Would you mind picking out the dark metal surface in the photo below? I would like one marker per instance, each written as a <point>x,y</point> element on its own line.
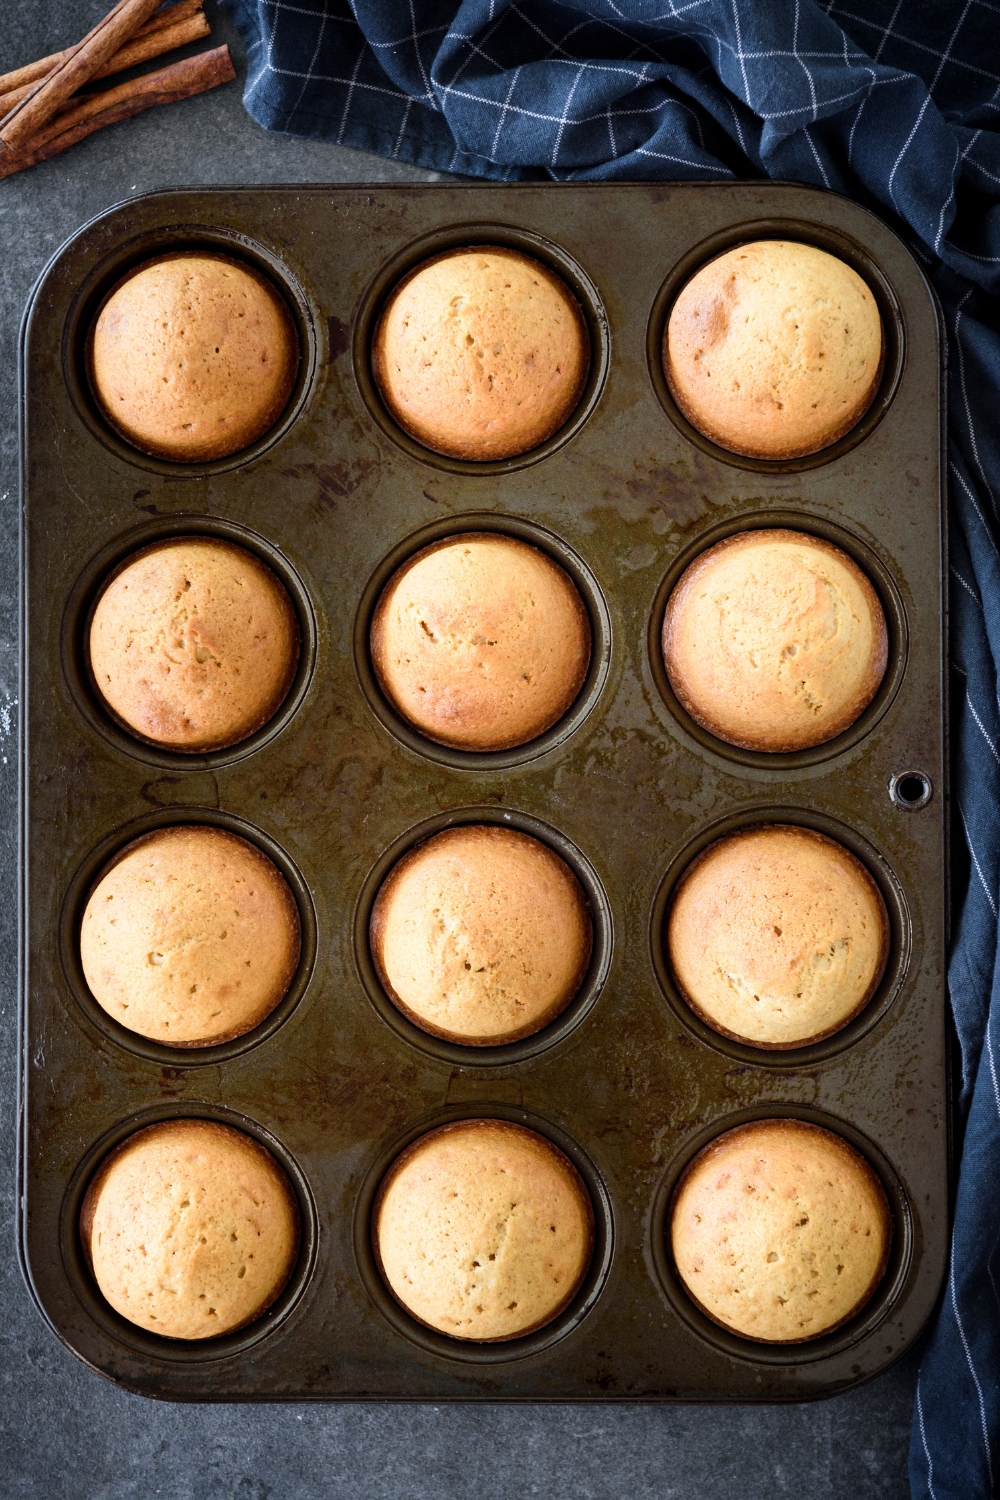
<point>630,1086</point>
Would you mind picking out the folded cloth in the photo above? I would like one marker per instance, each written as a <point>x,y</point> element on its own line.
<point>897,106</point>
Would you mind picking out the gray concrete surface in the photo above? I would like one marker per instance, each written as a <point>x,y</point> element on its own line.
<point>65,1434</point>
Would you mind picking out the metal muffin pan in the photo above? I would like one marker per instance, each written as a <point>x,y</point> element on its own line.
<point>627,1081</point>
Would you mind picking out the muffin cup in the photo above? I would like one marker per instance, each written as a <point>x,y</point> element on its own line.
<point>872,1010</point>
<point>86,1010</point>
<point>76,633</point>
<point>788,763</point>
<point>594,679</point>
<point>396,271</point>
<point>142,250</point>
<point>824,238</point>
<point>227,740</point>
<point>155,1347</point>
<point>469,1351</point>
<point>565,1022</point>
<point>884,1297</point>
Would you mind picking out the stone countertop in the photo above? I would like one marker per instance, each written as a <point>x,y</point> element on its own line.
<point>65,1433</point>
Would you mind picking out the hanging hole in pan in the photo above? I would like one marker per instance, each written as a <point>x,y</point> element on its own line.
<point>824,238</point>
<point>911,789</point>
<point>482,236</point>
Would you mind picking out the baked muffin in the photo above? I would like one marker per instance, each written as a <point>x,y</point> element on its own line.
<point>481,641</point>
<point>193,357</point>
<point>190,936</point>
<point>777,936</point>
<point>194,644</point>
<point>191,1229</point>
<point>780,1231</point>
<point>483,1230</point>
<point>481,935</point>
<point>774,349</point>
<point>775,640</point>
<point>481,353</point>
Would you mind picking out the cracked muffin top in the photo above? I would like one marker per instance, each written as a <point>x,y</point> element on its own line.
<point>481,641</point>
<point>191,936</point>
<point>774,349</point>
<point>481,935</point>
<point>780,1230</point>
<point>483,1230</point>
<point>191,1229</point>
<point>194,644</point>
<point>778,936</point>
<point>481,353</point>
<point>193,357</point>
<point>774,640</point>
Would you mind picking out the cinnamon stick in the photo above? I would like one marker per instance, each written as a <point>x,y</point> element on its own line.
<point>32,72</point>
<point>181,80</point>
<point>22,125</point>
<point>145,44</point>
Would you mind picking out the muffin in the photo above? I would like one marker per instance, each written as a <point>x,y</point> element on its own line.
<point>481,353</point>
<point>774,350</point>
<point>775,640</point>
<point>191,1229</point>
<point>193,357</point>
<point>777,936</point>
<point>190,936</point>
<point>780,1231</point>
<point>483,1230</point>
<point>481,935</point>
<point>194,644</point>
<point>481,641</point>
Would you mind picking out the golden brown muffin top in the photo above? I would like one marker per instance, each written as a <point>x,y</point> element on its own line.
<point>193,357</point>
<point>780,1231</point>
<point>194,644</point>
<point>774,349</point>
<point>483,1230</point>
<point>775,640</point>
<point>481,353</point>
<point>481,641</point>
<point>778,936</point>
<point>191,1229</point>
<point>481,935</point>
<point>190,937</point>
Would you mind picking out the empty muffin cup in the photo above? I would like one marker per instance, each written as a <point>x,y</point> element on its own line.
<point>193,357</point>
<point>774,349</point>
<point>483,1230</point>
<point>190,1228</point>
<point>481,353</point>
<point>774,640</point>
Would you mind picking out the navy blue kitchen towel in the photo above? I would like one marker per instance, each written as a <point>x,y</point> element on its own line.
<point>899,107</point>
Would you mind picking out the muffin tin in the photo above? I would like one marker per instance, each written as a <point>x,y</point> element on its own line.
<point>627,1081</point>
